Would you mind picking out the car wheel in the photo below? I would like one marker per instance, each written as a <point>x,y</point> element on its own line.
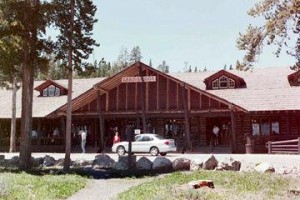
<point>163,154</point>
<point>154,151</point>
<point>121,150</point>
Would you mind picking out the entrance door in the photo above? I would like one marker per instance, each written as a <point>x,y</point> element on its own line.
<point>224,134</point>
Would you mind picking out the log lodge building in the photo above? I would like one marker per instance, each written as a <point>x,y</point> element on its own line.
<point>249,107</point>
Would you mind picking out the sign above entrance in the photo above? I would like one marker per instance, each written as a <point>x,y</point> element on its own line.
<point>137,79</point>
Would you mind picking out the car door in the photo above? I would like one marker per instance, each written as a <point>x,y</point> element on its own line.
<point>135,145</point>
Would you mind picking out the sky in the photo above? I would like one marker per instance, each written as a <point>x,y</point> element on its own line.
<point>200,32</point>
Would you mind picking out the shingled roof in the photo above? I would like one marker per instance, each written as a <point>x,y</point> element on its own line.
<point>268,89</point>
<point>42,106</point>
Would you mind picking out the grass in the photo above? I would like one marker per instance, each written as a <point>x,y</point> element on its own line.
<point>228,185</point>
<point>34,187</point>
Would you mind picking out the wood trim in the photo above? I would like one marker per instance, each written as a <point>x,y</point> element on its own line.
<point>126,96</point>
<point>147,91</point>
<point>136,96</point>
<point>177,95</point>
<point>117,99</point>
<point>200,101</point>
<point>168,92</point>
<point>107,102</point>
<point>157,93</point>
<point>189,98</point>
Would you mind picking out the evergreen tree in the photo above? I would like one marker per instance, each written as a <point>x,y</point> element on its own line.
<point>150,63</point>
<point>196,69</point>
<point>230,67</point>
<point>190,69</point>
<point>135,55</point>
<point>123,58</point>
<point>204,70</point>
<point>75,20</point>
<point>29,21</point>
<point>282,22</point>
<point>225,67</point>
<point>163,67</point>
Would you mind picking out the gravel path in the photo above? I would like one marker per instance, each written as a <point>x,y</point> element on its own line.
<point>104,189</point>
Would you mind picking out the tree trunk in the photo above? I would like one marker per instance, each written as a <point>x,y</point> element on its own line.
<point>70,88</point>
<point>29,60</point>
<point>142,90</point>
<point>12,146</point>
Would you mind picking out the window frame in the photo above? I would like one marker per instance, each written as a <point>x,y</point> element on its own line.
<point>259,121</point>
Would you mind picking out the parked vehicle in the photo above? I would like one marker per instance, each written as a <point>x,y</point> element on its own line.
<point>147,142</point>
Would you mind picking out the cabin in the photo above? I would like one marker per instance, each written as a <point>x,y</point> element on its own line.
<point>250,108</point>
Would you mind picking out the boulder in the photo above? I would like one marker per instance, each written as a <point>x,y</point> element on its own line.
<point>103,161</point>
<point>210,163</point>
<point>162,164</point>
<point>229,164</point>
<point>82,163</point>
<point>36,162</point>
<point>60,162</point>
<point>14,161</point>
<point>49,161</point>
<point>264,167</point>
<point>196,165</point>
<point>144,164</point>
<point>181,164</point>
<point>2,157</point>
<point>123,164</point>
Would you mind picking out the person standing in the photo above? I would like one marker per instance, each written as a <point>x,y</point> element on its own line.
<point>83,140</point>
<point>215,131</point>
<point>116,138</point>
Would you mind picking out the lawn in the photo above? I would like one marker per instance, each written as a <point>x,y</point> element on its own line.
<point>27,186</point>
<point>228,185</point>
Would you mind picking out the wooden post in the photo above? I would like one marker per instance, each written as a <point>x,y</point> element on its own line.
<point>233,129</point>
<point>298,145</point>
<point>186,118</point>
<point>101,122</point>
<point>142,100</point>
<point>269,147</point>
<point>157,93</point>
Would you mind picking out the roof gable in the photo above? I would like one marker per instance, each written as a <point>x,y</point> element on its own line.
<point>47,83</point>
<point>237,82</point>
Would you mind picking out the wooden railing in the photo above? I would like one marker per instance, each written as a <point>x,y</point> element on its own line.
<point>285,146</point>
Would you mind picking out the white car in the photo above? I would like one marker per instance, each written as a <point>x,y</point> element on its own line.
<point>146,142</point>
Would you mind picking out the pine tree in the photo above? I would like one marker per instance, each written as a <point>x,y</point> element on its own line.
<point>75,20</point>
<point>135,55</point>
<point>281,23</point>
<point>163,67</point>
<point>150,63</point>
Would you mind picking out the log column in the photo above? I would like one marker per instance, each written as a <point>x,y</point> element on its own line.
<point>101,122</point>
<point>233,128</point>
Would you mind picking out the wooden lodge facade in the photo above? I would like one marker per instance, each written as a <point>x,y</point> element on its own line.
<point>250,108</point>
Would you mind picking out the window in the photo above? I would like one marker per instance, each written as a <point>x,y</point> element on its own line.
<point>231,83</point>
<point>265,126</point>
<point>223,82</point>
<point>215,84</point>
<point>51,91</point>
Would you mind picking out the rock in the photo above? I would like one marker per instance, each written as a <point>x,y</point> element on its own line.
<point>103,161</point>
<point>201,183</point>
<point>162,164</point>
<point>196,165</point>
<point>49,161</point>
<point>264,167</point>
<point>2,157</point>
<point>229,164</point>
<point>210,163</point>
<point>14,161</point>
<point>284,171</point>
<point>61,162</point>
<point>144,164</point>
<point>37,161</point>
<point>123,164</point>
<point>181,164</point>
<point>81,163</point>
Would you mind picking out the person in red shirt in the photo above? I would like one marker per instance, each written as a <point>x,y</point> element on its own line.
<point>116,138</point>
